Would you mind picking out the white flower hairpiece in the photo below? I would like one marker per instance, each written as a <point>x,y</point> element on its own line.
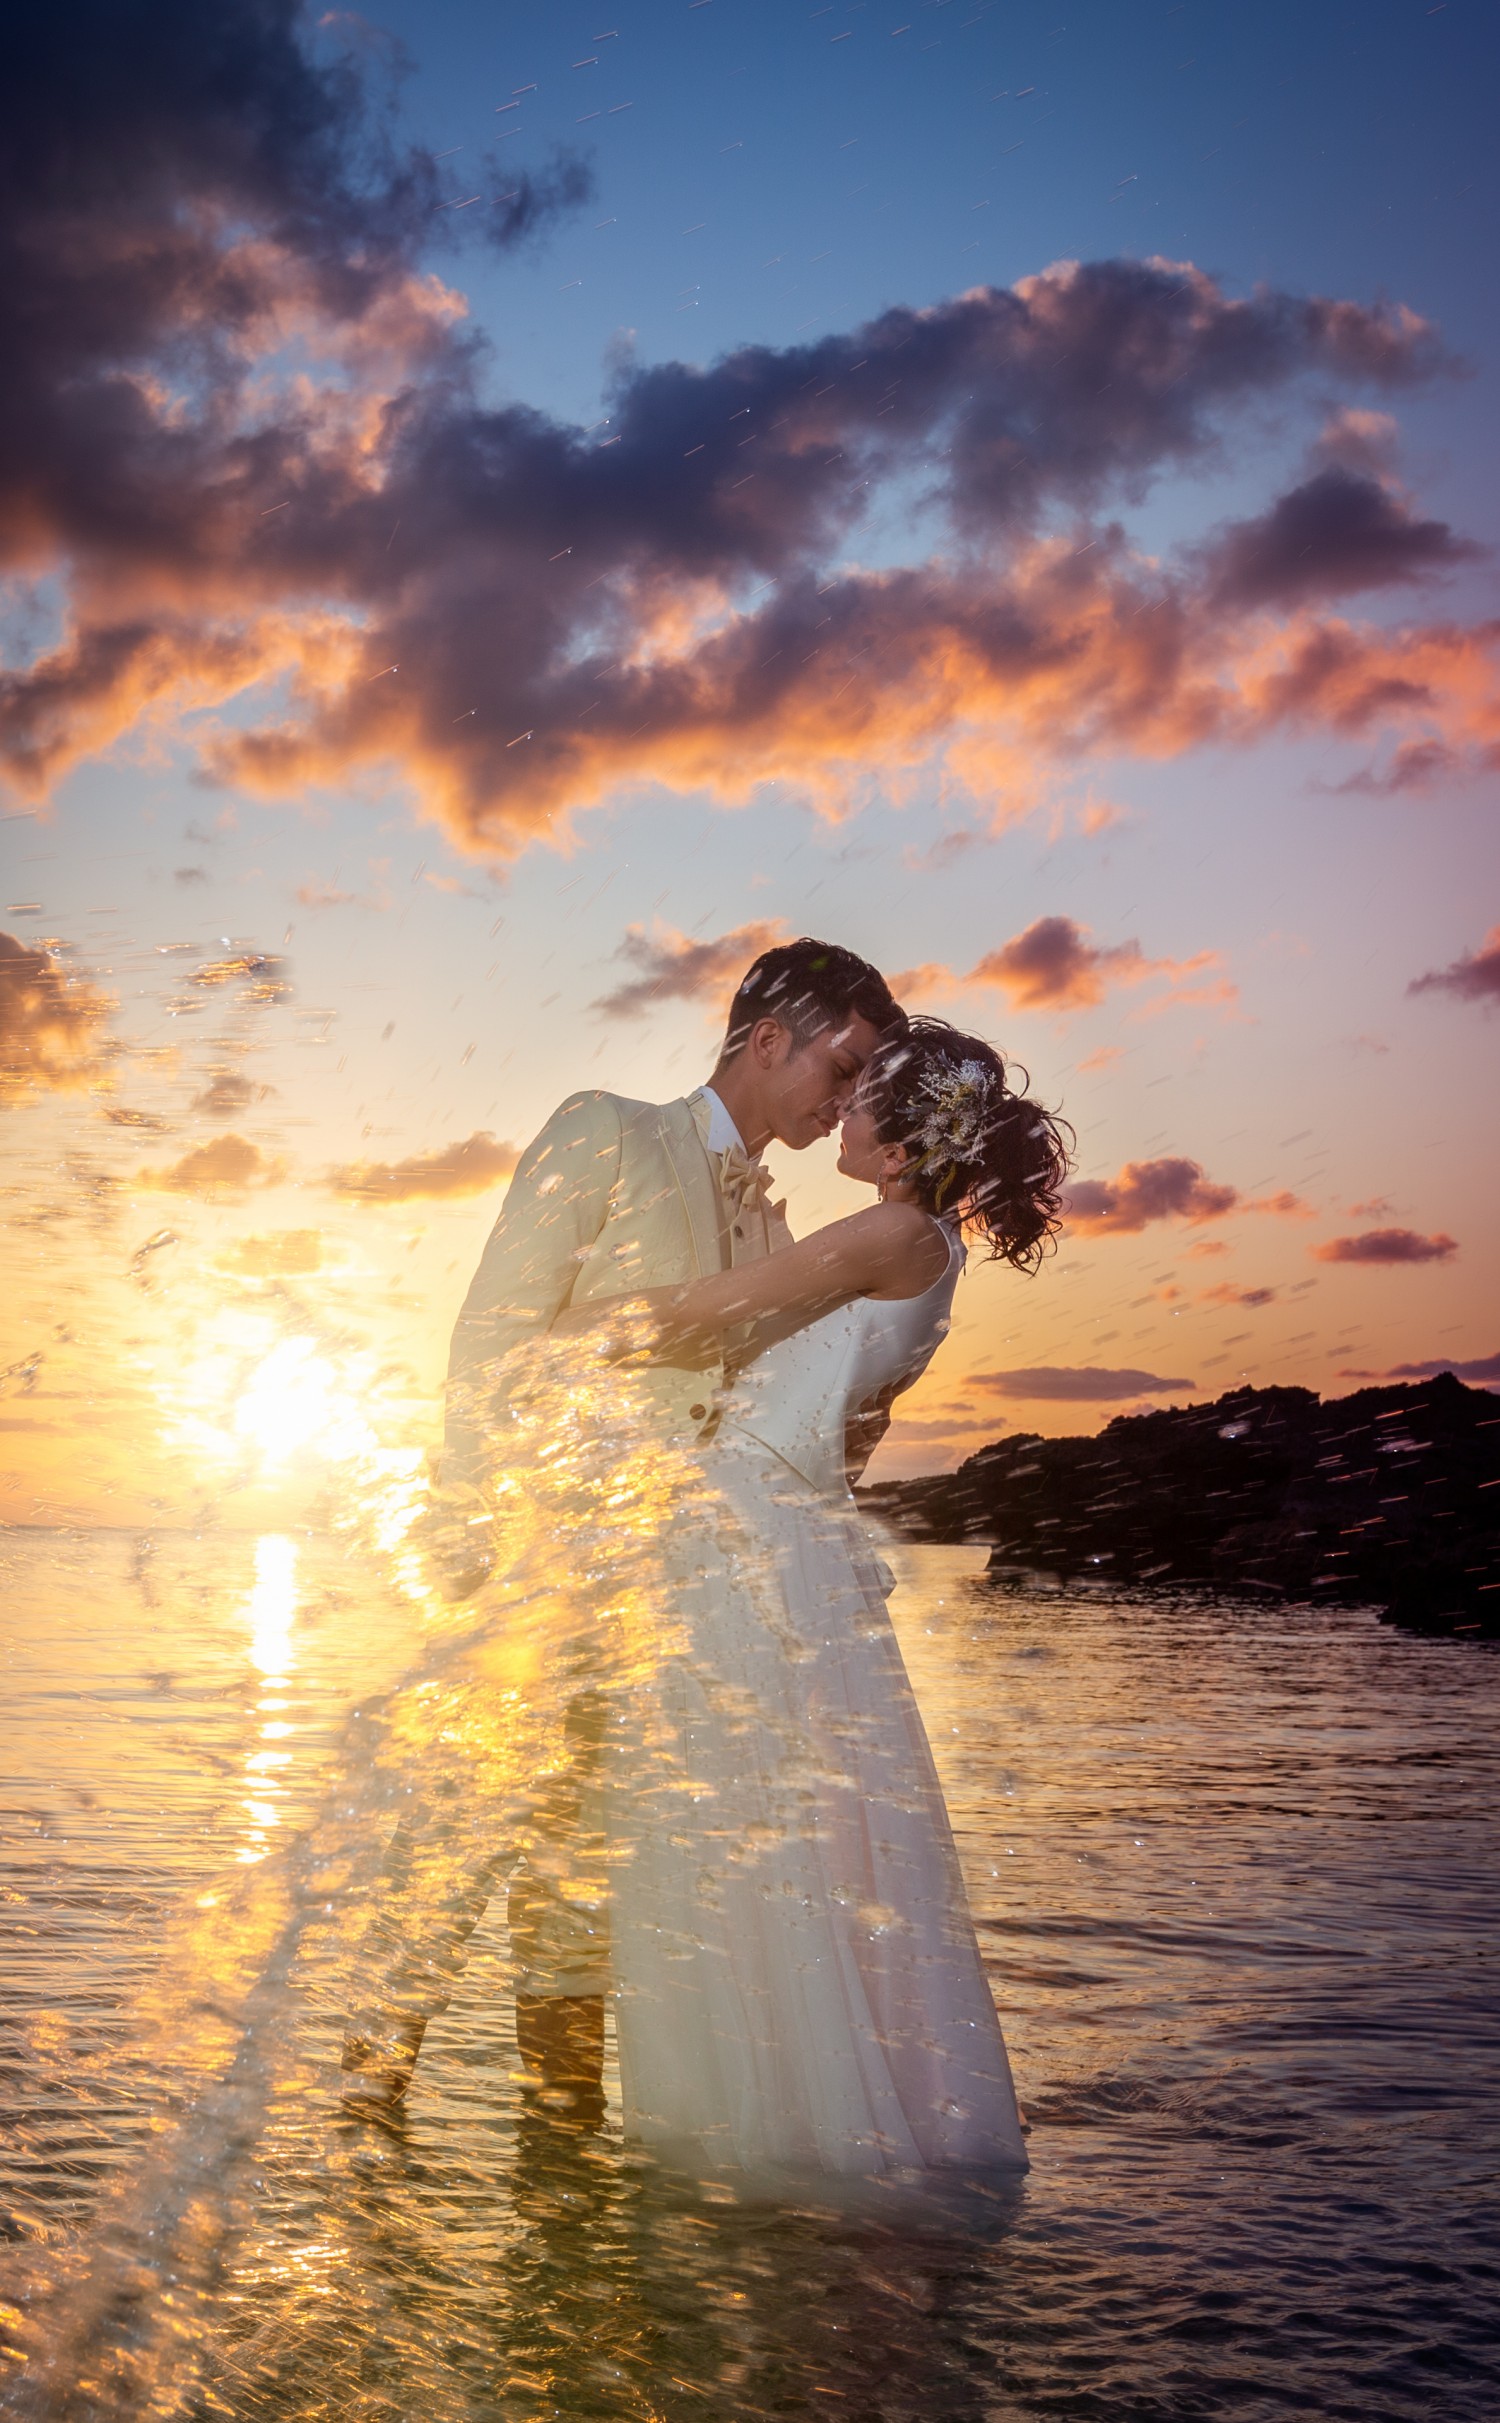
<point>959,1101</point>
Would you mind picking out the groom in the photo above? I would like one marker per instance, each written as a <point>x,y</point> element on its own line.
<point>611,1197</point>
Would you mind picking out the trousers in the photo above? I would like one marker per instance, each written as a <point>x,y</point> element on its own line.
<point>448,1858</point>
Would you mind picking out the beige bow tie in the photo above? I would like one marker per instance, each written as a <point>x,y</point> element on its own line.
<point>741,1180</point>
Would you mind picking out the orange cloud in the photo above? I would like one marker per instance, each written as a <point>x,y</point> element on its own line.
<point>673,967</point>
<point>1171,1188</point>
<point>51,1024</point>
<point>227,1165</point>
<point>1146,1191</point>
<point>921,983</point>
<point>1044,663</point>
<point>473,1167</point>
<point>1054,966</point>
<point>260,975</point>
<point>1252,1298</point>
<point>1283,1206</point>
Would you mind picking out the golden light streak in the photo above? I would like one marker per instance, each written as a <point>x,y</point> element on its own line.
<point>270,1612</point>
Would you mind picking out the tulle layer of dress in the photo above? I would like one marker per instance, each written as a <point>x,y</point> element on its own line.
<point>799,1989</point>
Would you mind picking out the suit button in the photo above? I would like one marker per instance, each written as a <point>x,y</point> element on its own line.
<point>697,1413</point>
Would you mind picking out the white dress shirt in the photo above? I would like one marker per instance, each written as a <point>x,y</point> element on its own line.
<point>722,1132</point>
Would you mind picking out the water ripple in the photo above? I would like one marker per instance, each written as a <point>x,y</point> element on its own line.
<point>1233,1869</point>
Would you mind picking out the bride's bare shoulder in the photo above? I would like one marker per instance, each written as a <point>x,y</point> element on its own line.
<point>903,1245</point>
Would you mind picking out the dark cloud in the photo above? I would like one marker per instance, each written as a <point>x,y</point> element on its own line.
<point>1339,532</point>
<point>1146,1191</point>
<point>52,1025</point>
<point>186,195</point>
<point>171,180</point>
<point>1251,1299</point>
<point>672,967</point>
<point>245,425</point>
<point>1479,1368</point>
<point>1474,977</point>
<point>228,1165</point>
<point>226,1094</point>
<point>473,1167</point>
<point>1049,1383</point>
<point>1386,1245</point>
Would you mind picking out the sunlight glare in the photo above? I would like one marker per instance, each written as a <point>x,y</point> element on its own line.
<point>271,1606</point>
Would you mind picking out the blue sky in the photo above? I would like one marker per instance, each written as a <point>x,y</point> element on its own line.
<point>782,169</point>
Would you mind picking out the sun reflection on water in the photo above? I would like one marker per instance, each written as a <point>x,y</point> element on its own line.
<point>270,1612</point>
<point>271,1606</point>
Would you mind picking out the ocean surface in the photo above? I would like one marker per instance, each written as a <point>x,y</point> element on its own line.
<point>1234,1868</point>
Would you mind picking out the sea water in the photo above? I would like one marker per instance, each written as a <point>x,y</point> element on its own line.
<point>1233,1871</point>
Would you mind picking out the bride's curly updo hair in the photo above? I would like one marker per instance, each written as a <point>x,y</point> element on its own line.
<point>982,1151</point>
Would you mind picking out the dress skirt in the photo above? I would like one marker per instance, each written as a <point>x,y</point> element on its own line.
<point>799,1989</point>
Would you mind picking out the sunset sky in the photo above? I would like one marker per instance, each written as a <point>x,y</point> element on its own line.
<point>508,510</point>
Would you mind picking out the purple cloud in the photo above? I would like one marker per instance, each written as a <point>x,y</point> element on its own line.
<point>1478,1368</point>
<point>1171,1188</point>
<point>1055,1384</point>
<point>1340,531</point>
<point>1474,977</point>
<point>1386,1245</point>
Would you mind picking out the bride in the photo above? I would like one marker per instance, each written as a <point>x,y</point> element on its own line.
<point>798,1985</point>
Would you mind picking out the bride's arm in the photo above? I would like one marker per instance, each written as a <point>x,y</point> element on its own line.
<point>890,1247</point>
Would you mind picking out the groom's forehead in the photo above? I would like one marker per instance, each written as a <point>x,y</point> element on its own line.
<point>810,1021</point>
<point>852,1033</point>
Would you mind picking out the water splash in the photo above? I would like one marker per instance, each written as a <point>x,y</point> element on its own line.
<point>239,2031</point>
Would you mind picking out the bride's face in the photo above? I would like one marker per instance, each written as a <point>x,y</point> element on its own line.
<point>861,1153</point>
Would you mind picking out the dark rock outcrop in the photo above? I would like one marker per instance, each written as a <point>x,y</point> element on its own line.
<point>1389,1497</point>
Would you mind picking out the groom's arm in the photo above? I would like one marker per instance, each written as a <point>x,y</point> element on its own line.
<point>556,1205</point>
<point>890,1249</point>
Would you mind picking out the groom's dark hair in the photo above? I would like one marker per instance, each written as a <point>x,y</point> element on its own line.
<point>807,986</point>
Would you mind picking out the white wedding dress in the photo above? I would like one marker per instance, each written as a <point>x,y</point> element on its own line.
<point>799,1991</point>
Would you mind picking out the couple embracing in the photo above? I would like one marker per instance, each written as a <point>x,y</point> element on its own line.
<point>785,1935</point>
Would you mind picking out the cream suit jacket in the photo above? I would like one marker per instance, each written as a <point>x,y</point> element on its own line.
<point>612,1195</point>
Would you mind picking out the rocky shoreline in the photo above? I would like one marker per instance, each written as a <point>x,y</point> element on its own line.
<point>1387,1498</point>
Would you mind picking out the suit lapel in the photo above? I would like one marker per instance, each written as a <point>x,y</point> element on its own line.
<point>696,1184</point>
